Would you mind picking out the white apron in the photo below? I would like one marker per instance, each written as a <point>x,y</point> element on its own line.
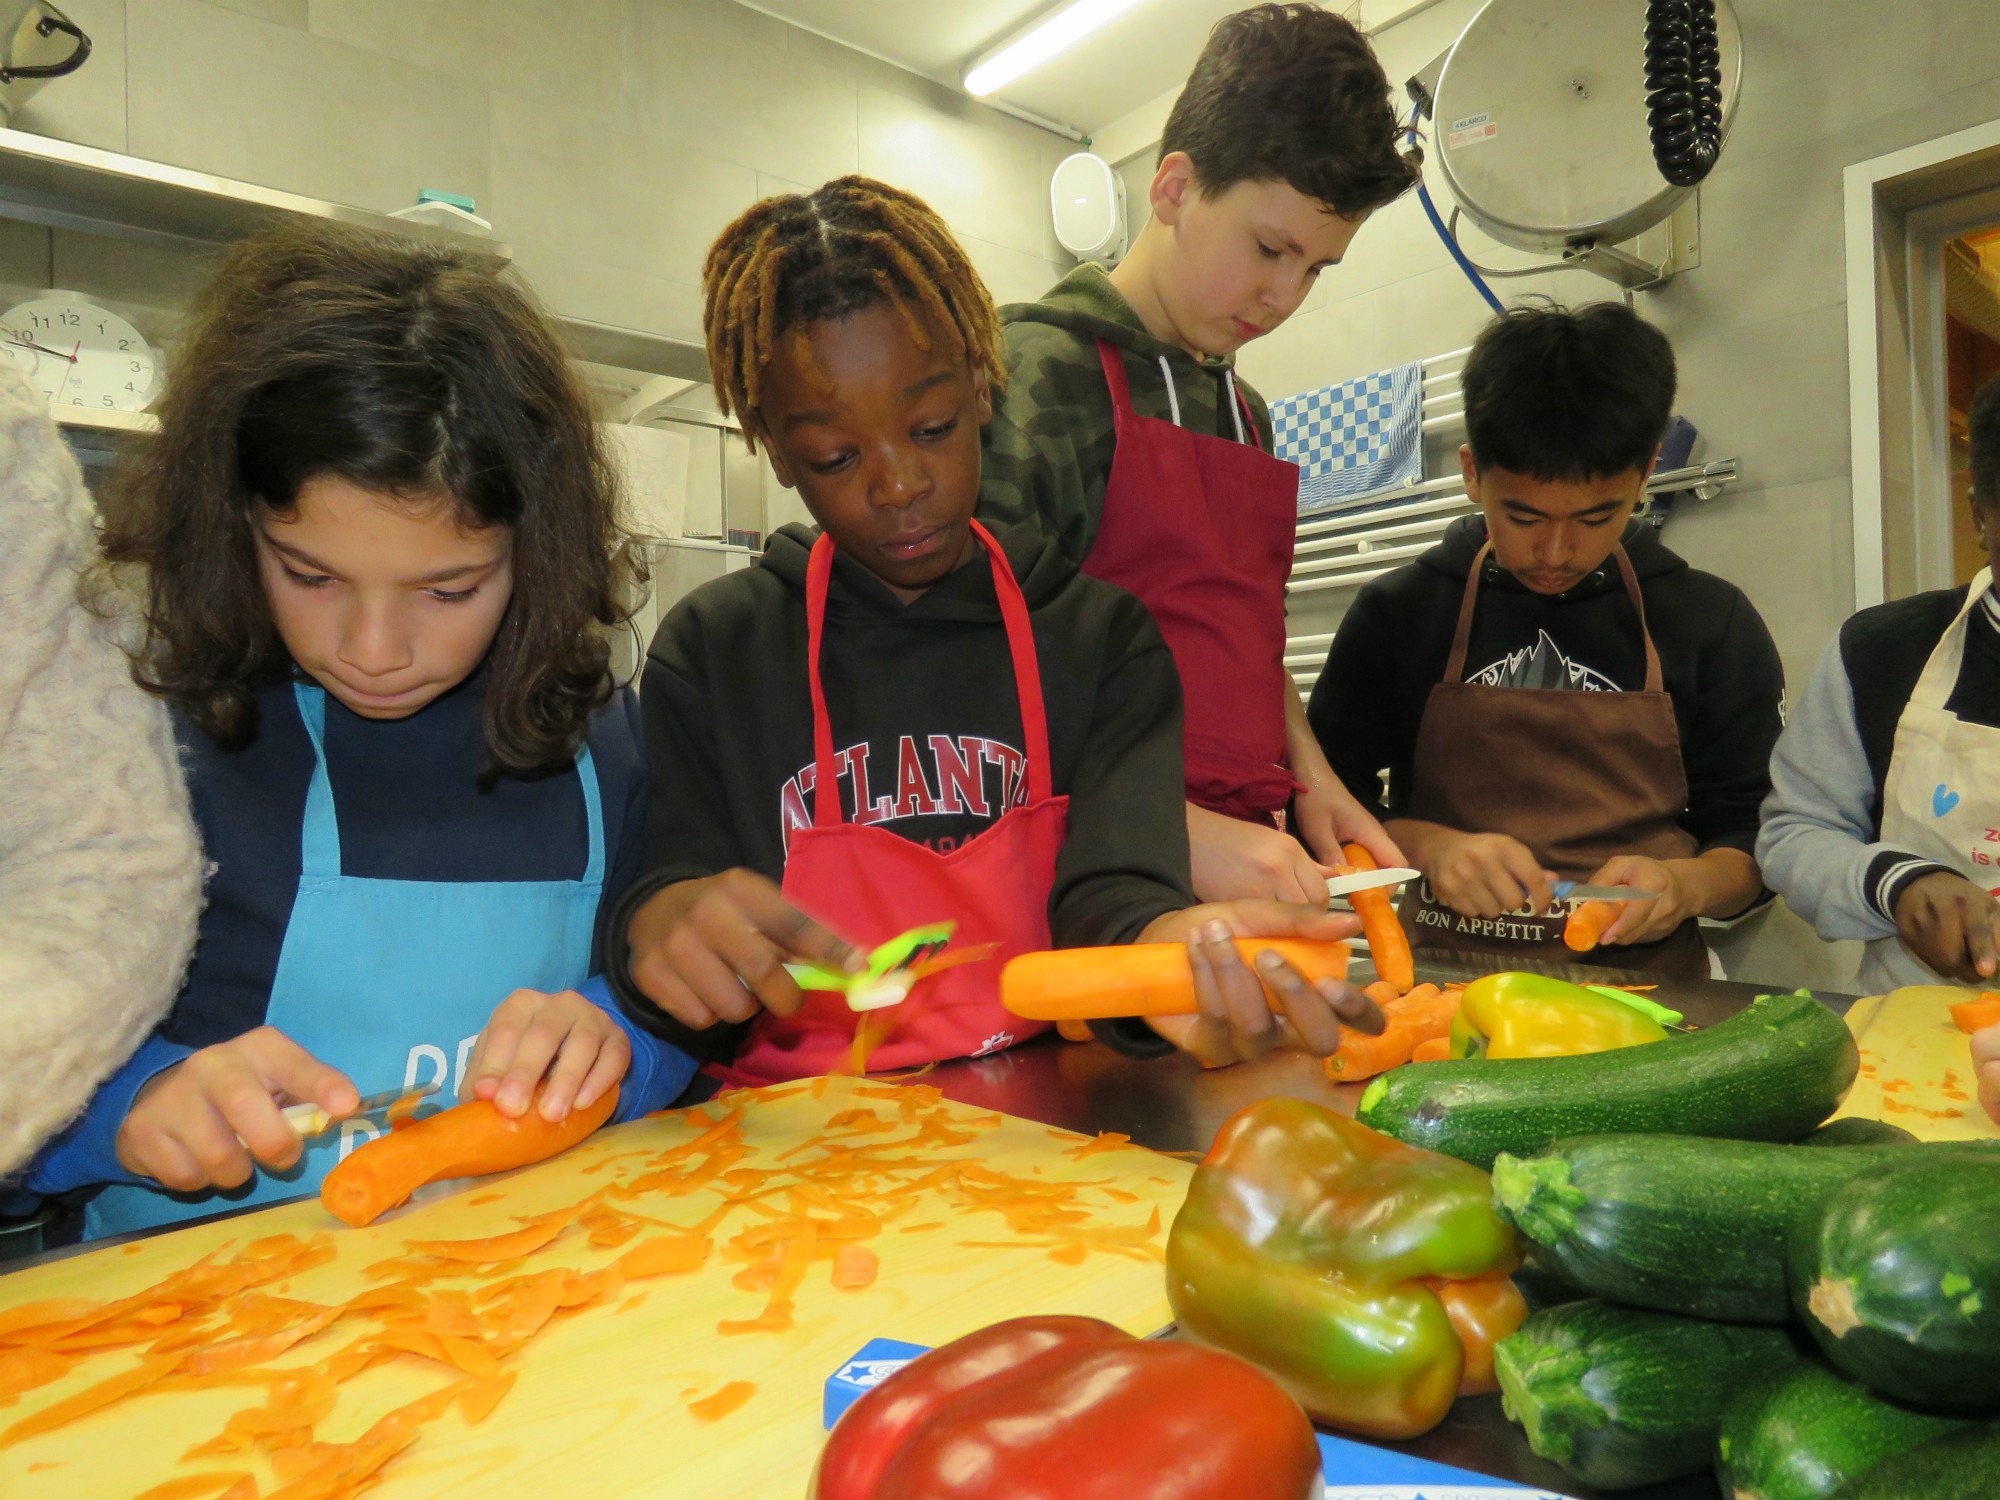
<point>1942,796</point>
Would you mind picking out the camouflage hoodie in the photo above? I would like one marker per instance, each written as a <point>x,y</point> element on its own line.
<point>1051,441</point>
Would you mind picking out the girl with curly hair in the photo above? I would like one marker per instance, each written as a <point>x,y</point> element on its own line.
<point>377,543</point>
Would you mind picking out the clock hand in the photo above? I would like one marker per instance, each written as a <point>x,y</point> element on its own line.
<point>29,343</point>
<point>71,357</point>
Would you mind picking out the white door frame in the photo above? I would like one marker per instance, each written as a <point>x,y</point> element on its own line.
<point>1890,348</point>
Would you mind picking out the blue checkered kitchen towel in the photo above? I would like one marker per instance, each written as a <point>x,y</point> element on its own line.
<point>1354,439</point>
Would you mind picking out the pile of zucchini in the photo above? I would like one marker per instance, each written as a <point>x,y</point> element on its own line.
<point>1813,1312</point>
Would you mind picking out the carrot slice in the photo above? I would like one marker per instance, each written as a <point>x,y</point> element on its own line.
<point>1388,944</point>
<point>476,1403</point>
<point>191,1485</point>
<point>511,1246</point>
<point>664,1255</point>
<point>855,1266</point>
<point>723,1402</point>
<point>1977,1015</point>
<point>95,1398</point>
<point>25,1369</point>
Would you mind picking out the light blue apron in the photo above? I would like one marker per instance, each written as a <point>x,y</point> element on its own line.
<point>391,981</point>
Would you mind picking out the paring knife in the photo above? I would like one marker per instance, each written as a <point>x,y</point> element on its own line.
<point>1369,880</point>
<point>1573,890</point>
<point>310,1120</point>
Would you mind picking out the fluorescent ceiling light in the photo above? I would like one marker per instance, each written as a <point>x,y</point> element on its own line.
<point>1035,44</point>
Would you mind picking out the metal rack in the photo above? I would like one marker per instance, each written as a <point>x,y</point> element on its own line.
<point>1338,553</point>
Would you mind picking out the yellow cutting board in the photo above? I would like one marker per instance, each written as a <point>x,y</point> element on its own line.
<point>1916,1066</point>
<point>601,1404</point>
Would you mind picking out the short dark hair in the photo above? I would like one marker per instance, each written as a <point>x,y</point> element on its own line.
<point>1568,396</point>
<point>401,367</point>
<point>1983,430</point>
<point>1292,94</point>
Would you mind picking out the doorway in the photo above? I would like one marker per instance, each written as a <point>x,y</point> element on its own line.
<point>1971,273</point>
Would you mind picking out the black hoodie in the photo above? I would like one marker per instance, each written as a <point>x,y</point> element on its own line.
<point>1719,663</point>
<point>729,731</point>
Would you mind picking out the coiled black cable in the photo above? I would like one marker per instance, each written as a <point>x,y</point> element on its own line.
<point>1683,88</point>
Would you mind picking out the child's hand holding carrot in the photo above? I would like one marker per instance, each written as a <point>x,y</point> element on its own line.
<point>580,1049</point>
<point>1235,1021</point>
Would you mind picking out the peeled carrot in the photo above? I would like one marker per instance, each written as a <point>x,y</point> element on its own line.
<point>1977,1015</point>
<point>1434,1049</point>
<point>1588,923</point>
<point>1137,979</point>
<point>470,1140</point>
<point>1415,1018</point>
<point>1388,944</point>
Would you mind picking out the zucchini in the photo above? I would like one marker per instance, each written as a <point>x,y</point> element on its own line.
<point>1620,1397</point>
<point>1675,1222</point>
<point>1801,1433</point>
<point>1961,1465</point>
<point>1858,1132</point>
<point>1771,1072</point>
<point>1898,1277</point>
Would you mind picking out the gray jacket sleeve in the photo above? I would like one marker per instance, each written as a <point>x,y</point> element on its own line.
<point>1818,844</point>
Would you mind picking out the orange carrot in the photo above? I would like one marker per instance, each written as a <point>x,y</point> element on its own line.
<point>1413,1019</point>
<point>1075,1031</point>
<point>854,1266</point>
<point>1137,979</point>
<point>1433,1049</point>
<point>511,1246</point>
<point>1588,923</point>
<point>192,1485</point>
<point>723,1402</point>
<point>469,1141</point>
<point>1977,1015</point>
<point>1388,944</point>
<point>95,1398</point>
<point>664,1255</point>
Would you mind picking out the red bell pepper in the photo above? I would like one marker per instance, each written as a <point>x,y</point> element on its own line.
<point>1070,1409</point>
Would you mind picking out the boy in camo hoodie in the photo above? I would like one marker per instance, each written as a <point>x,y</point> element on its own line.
<point>1124,435</point>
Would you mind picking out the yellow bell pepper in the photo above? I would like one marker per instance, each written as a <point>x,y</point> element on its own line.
<point>1532,1015</point>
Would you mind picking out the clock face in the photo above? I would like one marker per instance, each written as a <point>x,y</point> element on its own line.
<point>78,354</point>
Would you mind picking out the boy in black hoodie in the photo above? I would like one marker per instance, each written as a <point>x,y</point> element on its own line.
<point>997,740</point>
<point>1551,692</point>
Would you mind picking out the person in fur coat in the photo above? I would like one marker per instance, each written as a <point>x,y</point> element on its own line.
<point>100,870</point>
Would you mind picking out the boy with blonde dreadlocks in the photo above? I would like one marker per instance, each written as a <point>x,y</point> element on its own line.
<point>901,717</point>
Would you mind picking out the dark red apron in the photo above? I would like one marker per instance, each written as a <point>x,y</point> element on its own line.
<point>1576,776</point>
<point>868,885</point>
<point>1201,529</point>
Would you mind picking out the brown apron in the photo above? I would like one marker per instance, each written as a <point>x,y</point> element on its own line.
<point>1577,776</point>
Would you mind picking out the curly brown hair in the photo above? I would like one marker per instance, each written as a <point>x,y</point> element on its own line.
<point>804,257</point>
<point>403,367</point>
<point>1292,94</point>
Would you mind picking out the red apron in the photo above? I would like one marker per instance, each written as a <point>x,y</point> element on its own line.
<point>869,885</point>
<point>1201,529</point>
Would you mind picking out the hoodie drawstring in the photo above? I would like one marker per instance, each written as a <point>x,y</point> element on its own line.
<point>1235,406</point>
<point>1173,399</point>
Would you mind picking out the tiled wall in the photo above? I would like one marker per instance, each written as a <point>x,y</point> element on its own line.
<point>607,140</point>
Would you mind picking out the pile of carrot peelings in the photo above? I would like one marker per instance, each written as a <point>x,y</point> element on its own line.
<point>471,1309</point>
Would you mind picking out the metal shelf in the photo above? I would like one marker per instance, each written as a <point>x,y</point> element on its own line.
<point>62,185</point>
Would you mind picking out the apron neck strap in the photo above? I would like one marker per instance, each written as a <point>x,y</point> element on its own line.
<point>1020,644</point>
<point>1113,361</point>
<point>1461,638</point>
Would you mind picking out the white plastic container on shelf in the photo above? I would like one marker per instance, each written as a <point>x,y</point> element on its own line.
<point>445,211</point>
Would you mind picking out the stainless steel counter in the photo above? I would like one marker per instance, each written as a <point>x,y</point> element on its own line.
<point>1173,1104</point>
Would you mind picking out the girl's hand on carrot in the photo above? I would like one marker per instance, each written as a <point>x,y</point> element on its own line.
<point>1485,874</point>
<point>210,1119</point>
<point>1234,1021</point>
<point>579,1048</point>
<point>1237,861</point>
<point>715,950</point>
<point>1648,921</point>
<point>1986,1064</point>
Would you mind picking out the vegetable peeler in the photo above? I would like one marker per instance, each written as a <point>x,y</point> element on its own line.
<point>893,969</point>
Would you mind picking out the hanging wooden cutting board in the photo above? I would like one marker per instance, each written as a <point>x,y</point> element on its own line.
<point>1916,1066</point>
<point>601,1404</point>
